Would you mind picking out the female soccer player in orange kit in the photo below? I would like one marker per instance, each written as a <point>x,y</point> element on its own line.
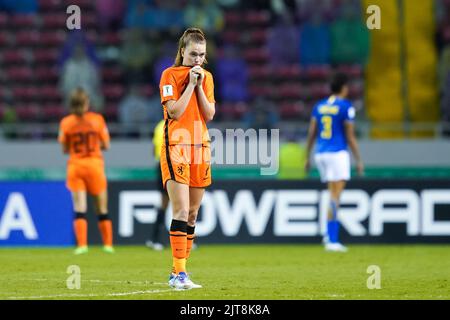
<point>187,96</point>
<point>83,135</point>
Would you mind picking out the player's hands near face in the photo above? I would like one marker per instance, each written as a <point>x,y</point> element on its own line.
<point>201,74</point>
<point>194,75</point>
<point>360,168</point>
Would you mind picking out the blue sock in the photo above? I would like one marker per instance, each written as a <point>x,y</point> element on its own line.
<point>333,225</point>
<point>333,231</point>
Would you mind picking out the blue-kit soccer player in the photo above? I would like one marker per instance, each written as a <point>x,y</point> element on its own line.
<point>332,125</point>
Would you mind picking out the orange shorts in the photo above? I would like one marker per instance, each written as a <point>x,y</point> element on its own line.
<point>86,175</point>
<point>186,164</point>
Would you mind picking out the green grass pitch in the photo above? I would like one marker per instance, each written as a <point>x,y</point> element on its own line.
<point>230,272</point>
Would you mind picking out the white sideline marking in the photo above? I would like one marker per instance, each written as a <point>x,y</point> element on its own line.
<point>90,295</point>
<point>96,295</point>
<point>102,281</point>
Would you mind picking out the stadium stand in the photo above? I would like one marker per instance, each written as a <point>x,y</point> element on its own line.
<point>34,40</point>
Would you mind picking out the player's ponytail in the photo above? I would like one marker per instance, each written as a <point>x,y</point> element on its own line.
<point>190,35</point>
<point>78,100</point>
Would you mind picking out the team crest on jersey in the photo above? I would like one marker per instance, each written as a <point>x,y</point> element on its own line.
<point>180,170</point>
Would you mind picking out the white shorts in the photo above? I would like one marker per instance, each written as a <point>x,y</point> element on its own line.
<point>333,166</point>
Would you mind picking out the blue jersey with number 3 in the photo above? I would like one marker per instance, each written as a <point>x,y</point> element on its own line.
<point>331,115</point>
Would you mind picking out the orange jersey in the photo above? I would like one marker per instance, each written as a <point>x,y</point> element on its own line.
<point>83,136</point>
<point>192,125</point>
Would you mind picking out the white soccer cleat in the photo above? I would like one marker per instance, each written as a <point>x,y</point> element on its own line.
<point>335,247</point>
<point>172,278</point>
<point>182,282</point>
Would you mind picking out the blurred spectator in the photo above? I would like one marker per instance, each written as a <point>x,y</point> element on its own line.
<point>349,38</point>
<point>110,13</point>
<point>165,60</point>
<point>138,15</point>
<point>445,104</point>
<point>79,71</point>
<point>170,16</point>
<point>232,75</point>
<point>159,15</point>
<point>204,14</point>
<point>137,55</point>
<point>77,38</point>
<point>9,116</point>
<point>443,24</point>
<point>315,41</point>
<point>306,8</point>
<point>444,67</point>
<point>283,41</point>
<point>22,6</point>
<point>135,109</point>
<point>261,115</point>
<point>282,7</point>
<point>228,3</point>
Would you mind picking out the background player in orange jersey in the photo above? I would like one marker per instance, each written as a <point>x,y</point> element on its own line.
<point>187,96</point>
<point>83,135</point>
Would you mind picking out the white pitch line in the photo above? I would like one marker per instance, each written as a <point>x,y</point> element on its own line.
<point>117,294</point>
<point>100,281</point>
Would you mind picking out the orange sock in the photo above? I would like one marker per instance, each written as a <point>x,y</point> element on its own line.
<point>178,243</point>
<point>80,228</point>
<point>105,227</point>
<point>190,240</point>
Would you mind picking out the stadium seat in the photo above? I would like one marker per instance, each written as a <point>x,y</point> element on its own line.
<point>231,36</point>
<point>28,112</point>
<point>353,71</point>
<point>356,90</point>
<point>14,57</point>
<point>5,39</point>
<point>232,18</point>
<point>319,91</point>
<point>54,20</point>
<point>25,93</point>
<point>113,92</point>
<point>233,111</point>
<point>111,74</point>
<point>289,111</point>
<point>27,38</point>
<point>258,36</point>
<point>446,34</point>
<point>45,56</point>
<point>111,112</point>
<point>83,4</point>
<point>88,20</point>
<point>288,72</point>
<point>3,20</point>
<point>52,38</point>
<point>260,90</point>
<point>22,21</point>
<point>256,54</point>
<point>257,17</point>
<point>49,5</point>
<point>46,74</point>
<point>111,38</point>
<point>20,74</point>
<point>53,112</point>
<point>260,72</point>
<point>318,72</point>
<point>147,90</point>
<point>50,93</point>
